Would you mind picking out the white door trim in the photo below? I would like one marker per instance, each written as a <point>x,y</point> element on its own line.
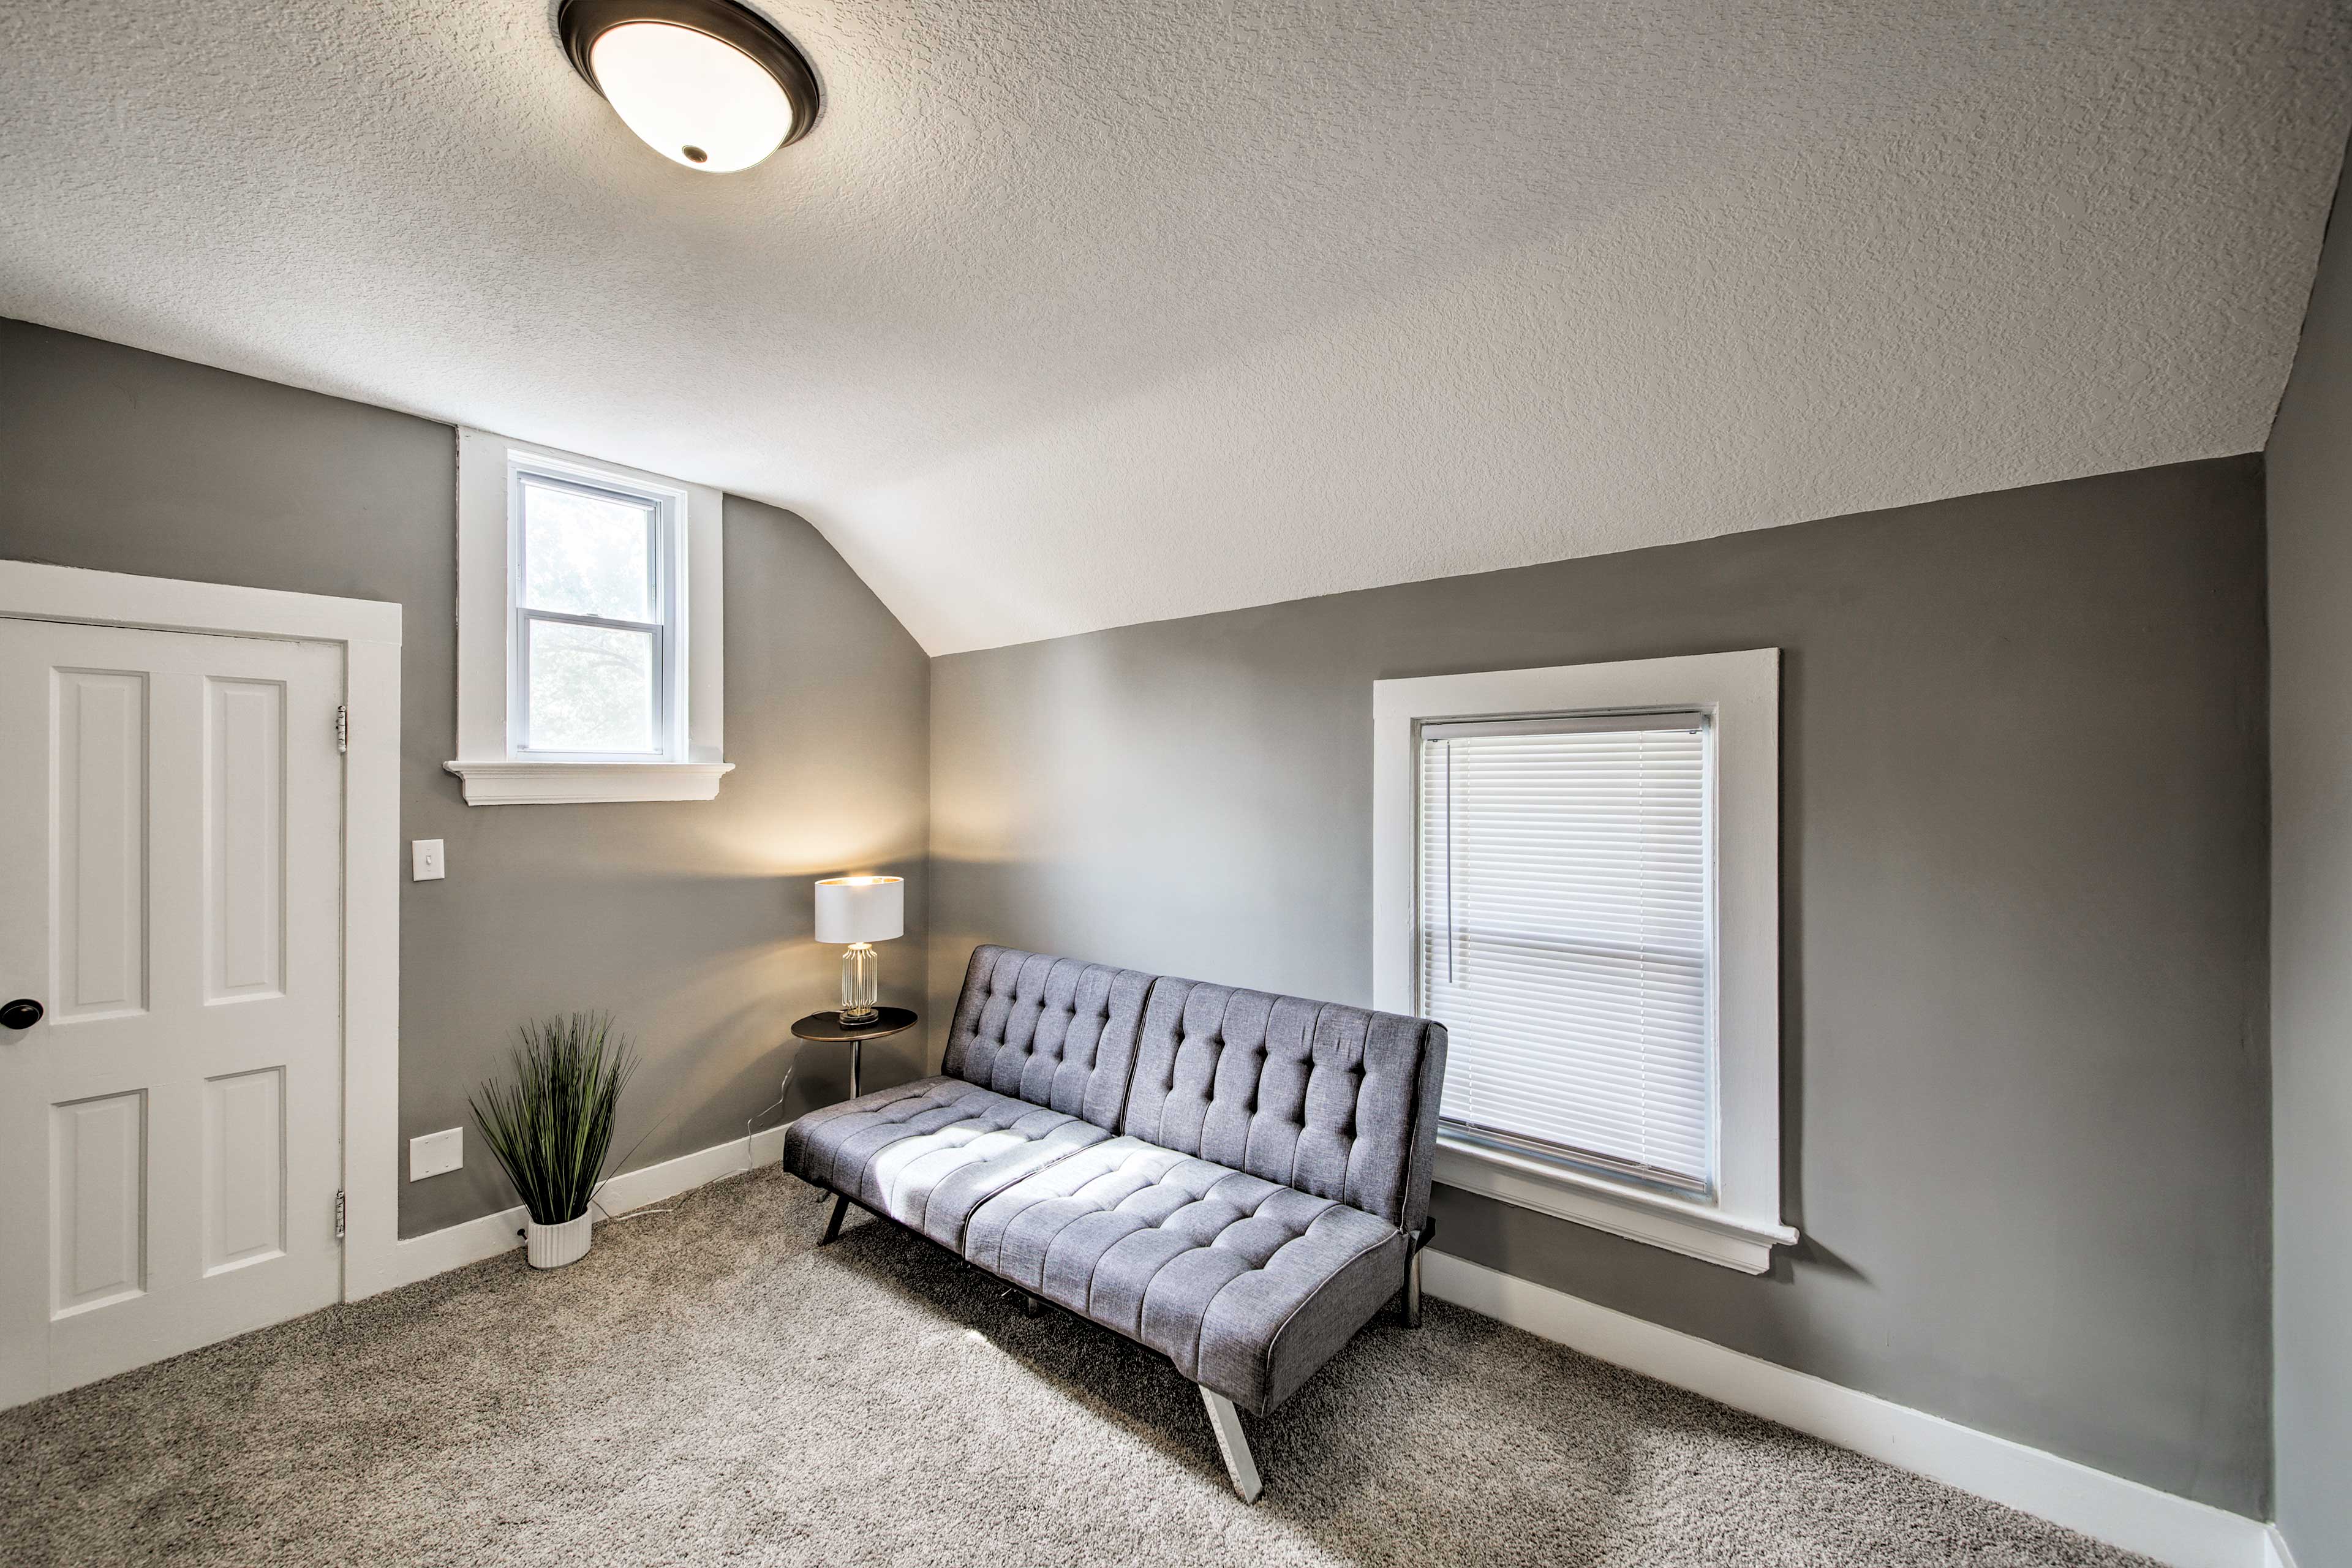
<point>369,631</point>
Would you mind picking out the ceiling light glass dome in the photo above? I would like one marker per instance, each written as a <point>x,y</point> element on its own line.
<point>706,83</point>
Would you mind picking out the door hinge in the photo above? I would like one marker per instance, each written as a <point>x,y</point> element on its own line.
<point>339,1213</point>
<point>342,728</point>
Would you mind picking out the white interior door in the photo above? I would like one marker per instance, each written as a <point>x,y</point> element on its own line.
<point>171,1129</point>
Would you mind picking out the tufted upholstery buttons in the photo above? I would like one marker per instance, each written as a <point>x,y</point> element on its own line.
<point>1228,1176</point>
<point>1311,1095</point>
<point>1232,1277</point>
<point>929,1154</point>
<point>1051,1031</point>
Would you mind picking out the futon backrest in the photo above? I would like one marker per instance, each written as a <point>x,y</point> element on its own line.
<point>1333,1100</point>
<point>1052,1031</point>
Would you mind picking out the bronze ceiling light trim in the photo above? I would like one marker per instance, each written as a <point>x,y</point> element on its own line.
<point>709,84</point>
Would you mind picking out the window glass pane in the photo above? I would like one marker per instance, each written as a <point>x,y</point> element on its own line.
<point>592,688</point>
<point>587,555</point>
<point>1565,906</point>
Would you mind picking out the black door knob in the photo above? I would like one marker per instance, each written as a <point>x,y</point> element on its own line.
<point>21,1013</point>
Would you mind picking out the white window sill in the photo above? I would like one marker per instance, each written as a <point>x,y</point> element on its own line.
<point>1693,1229</point>
<point>504,782</point>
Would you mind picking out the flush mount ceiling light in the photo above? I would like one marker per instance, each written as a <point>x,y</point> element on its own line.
<point>704,83</point>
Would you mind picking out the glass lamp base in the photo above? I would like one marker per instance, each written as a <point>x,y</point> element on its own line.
<point>861,981</point>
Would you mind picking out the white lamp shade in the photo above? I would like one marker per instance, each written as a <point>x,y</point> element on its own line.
<point>861,908</point>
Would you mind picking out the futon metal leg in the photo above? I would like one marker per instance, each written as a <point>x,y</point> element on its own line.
<point>1421,1240</point>
<point>1232,1443</point>
<point>833,1225</point>
<point>1030,1306</point>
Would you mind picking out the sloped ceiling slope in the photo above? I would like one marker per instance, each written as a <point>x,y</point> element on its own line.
<point>1073,314</point>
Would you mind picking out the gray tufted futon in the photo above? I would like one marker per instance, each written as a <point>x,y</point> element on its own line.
<point>1238,1181</point>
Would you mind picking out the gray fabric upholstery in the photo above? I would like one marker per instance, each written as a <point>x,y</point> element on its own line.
<point>1052,1031</point>
<point>1333,1100</point>
<point>1254,1213</point>
<point>927,1154</point>
<point>1247,1285</point>
<point>1421,1157</point>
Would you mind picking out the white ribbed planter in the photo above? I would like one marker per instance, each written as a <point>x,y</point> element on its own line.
<point>554,1245</point>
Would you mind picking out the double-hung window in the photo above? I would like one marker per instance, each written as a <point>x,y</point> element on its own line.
<point>596,664</point>
<point>1567,939</point>
<point>1577,870</point>
<point>590,629</point>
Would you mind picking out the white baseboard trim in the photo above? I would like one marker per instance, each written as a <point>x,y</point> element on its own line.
<point>2106,1507</point>
<point>438,1251</point>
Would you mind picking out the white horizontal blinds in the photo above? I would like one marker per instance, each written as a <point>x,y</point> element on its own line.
<point>1564,937</point>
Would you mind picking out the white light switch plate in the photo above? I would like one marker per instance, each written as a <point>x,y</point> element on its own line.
<point>427,857</point>
<point>436,1152</point>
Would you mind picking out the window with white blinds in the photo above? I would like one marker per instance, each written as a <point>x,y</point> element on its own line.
<point>1565,938</point>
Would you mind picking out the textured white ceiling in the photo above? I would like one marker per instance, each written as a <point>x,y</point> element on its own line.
<point>1074,313</point>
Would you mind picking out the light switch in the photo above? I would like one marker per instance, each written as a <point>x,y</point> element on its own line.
<point>436,1152</point>
<point>427,856</point>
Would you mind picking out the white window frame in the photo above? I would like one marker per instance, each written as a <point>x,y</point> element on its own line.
<point>1741,693</point>
<point>493,636</point>
<point>665,567</point>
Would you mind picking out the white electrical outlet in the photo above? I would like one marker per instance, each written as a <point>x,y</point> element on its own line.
<point>427,858</point>
<point>436,1152</point>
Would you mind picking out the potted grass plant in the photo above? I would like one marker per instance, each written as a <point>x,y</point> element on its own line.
<point>551,1128</point>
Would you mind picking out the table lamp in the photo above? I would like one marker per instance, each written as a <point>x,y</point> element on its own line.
<point>860,911</point>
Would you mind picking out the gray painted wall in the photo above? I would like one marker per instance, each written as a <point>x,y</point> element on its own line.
<point>2024,918</point>
<point>691,921</point>
<point>2310,473</point>
<point>2024,901</point>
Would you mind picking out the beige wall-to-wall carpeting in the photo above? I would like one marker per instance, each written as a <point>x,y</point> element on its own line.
<point>710,1388</point>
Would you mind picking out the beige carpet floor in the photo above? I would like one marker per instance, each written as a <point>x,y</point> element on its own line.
<point>707,1387</point>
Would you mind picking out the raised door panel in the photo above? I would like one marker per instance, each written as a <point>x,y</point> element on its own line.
<point>98,1200</point>
<point>244,840</point>
<point>99,844</point>
<point>245,1169</point>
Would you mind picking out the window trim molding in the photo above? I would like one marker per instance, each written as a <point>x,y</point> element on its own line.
<point>491,771</point>
<point>1742,691</point>
<point>526,780</point>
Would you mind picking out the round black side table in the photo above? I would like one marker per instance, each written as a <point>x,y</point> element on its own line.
<point>828,1028</point>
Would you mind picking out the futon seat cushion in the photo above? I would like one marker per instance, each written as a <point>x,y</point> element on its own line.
<point>1245,1285</point>
<point>930,1152</point>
